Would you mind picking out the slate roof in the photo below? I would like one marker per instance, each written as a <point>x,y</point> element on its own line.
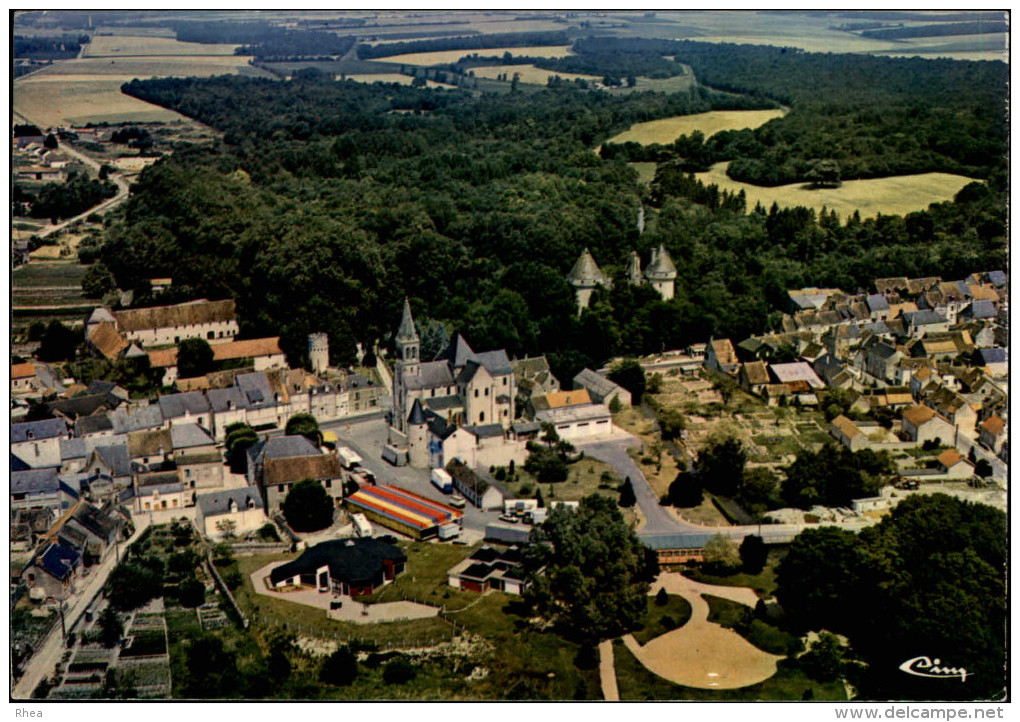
<point>35,481</point>
<point>186,436</point>
<point>116,457</point>
<point>485,431</point>
<point>38,430</point>
<point>431,374</point>
<point>993,355</point>
<point>979,309</point>
<point>876,303</point>
<point>164,489</point>
<point>586,272</point>
<point>84,405</point>
<point>174,406</point>
<point>923,318</point>
<point>281,447</point>
<point>442,403</point>
<point>218,502</point>
<point>95,424</point>
<point>256,389</point>
<point>58,561</point>
<point>136,418</point>
<point>496,363</point>
<point>592,380</point>
<point>353,561</point>
<point>417,415</point>
<point>99,315</point>
<point>526,427</point>
<point>661,266</point>
<point>407,331</point>
<point>996,278</point>
<point>226,399</point>
<point>184,314</point>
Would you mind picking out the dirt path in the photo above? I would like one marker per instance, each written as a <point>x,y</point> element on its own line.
<point>607,671</point>
<point>703,654</point>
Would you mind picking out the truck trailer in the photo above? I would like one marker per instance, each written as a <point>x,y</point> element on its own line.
<point>442,480</point>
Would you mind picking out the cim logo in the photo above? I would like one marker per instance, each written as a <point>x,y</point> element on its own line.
<point>927,667</point>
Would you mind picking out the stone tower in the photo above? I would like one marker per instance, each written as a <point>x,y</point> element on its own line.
<point>661,273</point>
<point>417,437</point>
<point>634,269</point>
<point>318,352</point>
<point>584,277</point>
<point>407,365</point>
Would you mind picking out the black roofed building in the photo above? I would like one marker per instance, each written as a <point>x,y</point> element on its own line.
<point>52,572</point>
<point>488,569</point>
<point>349,567</point>
<point>481,492</point>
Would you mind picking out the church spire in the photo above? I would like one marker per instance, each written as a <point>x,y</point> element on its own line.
<point>407,332</point>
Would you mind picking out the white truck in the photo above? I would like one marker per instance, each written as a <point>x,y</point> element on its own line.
<point>442,480</point>
<point>449,531</point>
<point>349,458</point>
<point>519,507</point>
<point>362,527</point>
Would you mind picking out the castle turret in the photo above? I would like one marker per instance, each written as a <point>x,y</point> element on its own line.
<point>318,352</point>
<point>407,364</point>
<point>417,437</point>
<point>661,273</point>
<point>584,277</point>
<point>634,269</point>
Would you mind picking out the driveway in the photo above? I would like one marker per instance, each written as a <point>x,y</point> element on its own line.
<point>350,609</point>
<point>703,654</point>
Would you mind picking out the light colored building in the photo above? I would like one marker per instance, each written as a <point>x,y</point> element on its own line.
<point>230,512</point>
<point>721,356</point>
<point>579,423</point>
<point>600,389</point>
<point>848,434</point>
<point>954,465</point>
<point>993,433</point>
<point>661,273</point>
<point>264,353</point>
<point>214,321</point>
<point>921,424</point>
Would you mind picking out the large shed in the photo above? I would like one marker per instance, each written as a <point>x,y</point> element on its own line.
<point>403,511</point>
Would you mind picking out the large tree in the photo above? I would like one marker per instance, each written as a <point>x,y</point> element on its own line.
<point>928,580</point>
<point>304,425</point>
<point>587,571</point>
<point>721,463</point>
<point>307,507</point>
<point>629,374</point>
<point>194,358</point>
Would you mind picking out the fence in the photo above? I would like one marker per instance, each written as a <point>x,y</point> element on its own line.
<point>225,589</point>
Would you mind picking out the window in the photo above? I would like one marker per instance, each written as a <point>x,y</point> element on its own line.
<point>281,488</point>
<point>476,393</point>
<point>328,483</point>
<point>177,339</point>
<point>481,417</point>
<point>504,380</point>
<point>211,335</point>
<point>486,390</point>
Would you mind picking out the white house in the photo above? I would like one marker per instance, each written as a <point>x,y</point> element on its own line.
<point>234,512</point>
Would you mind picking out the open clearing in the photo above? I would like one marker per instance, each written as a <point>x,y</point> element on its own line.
<point>110,45</point>
<point>393,78</point>
<point>51,100</point>
<point>896,195</point>
<point>528,73</point>
<point>703,654</point>
<point>441,57</point>
<point>153,66</point>
<point>666,130</point>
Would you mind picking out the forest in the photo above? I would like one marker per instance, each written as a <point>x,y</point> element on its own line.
<point>328,201</point>
<point>48,48</point>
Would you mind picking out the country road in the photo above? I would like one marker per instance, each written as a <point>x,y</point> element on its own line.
<point>123,188</point>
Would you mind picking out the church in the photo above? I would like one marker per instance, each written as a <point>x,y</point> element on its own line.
<point>462,387</point>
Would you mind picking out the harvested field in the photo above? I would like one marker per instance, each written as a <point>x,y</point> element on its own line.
<point>666,130</point>
<point>528,73</point>
<point>118,45</point>
<point>150,67</point>
<point>897,195</point>
<point>394,78</point>
<point>51,100</point>
<point>48,274</point>
<point>440,57</point>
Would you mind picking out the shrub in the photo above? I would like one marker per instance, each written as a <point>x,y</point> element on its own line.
<point>339,668</point>
<point>399,671</point>
<point>587,657</point>
<point>191,593</point>
<point>661,598</point>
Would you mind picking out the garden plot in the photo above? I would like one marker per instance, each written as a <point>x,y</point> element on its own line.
<point>211,616</point>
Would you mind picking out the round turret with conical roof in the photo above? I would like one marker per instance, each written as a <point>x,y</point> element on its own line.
<point>661,272</point>
<point>584,277</point>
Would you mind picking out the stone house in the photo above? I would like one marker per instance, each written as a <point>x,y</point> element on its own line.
<point>600,389</point>
<point>848,434</point>
<point>235,512</point>
<point>992,433</point>
<point>921,424</point>
<point>214,321</point>
<point>721,356</point>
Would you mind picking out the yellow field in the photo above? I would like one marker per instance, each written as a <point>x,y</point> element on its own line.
<point>51,100</point>
<point>528,73</point>
<point>440,57</point>
<point>666,130</point>
<point>896,195</point>
<point>394,78</point>
<point>105,45</point>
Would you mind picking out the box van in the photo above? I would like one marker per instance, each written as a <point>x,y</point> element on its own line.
<point>394,455</point>
<point>362,527</point>
<point>442,480</point>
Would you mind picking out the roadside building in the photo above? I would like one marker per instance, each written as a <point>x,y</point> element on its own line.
<point>578,423</point>
<point>600,389</point>
<point>479,491</point>
<point>348,567</point>
<point>230,512</point>
<point>403,511</point>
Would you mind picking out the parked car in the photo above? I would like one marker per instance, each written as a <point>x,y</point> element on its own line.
<point>510,518</point>
<point>457,501</point>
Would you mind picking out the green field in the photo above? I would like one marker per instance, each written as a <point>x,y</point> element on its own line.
<point>677,608</point>
<point>48,274</point>
<point>897,195</point>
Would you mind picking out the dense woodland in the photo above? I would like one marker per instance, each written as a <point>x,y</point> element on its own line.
<point>328,201</point>
<point>48,48</point>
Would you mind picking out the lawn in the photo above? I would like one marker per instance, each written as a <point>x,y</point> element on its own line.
<point>763,583</point>
<point>425,578</point>
<point>733,615</point>
<point>677,609</point>
<point>48,274</point>
<point>788,684</point>
<point>645,171</point>
<point>896,195</point>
